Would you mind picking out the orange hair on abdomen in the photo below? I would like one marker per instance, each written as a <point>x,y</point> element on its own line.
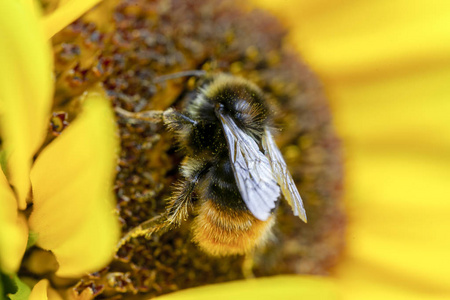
<point>219,232</point>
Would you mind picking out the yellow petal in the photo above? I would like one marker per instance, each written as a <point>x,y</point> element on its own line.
<point>25,90</point>
<point>13,230</point>
<point>398,186</point>
<point>42,291</point>
<point>66,13</point>
<point>72,181</point>
<point>348,39</point>
<point>279,287</point>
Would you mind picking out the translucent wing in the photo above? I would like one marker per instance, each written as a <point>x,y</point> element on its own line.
<point>252,170</point>
<point>282,175</point>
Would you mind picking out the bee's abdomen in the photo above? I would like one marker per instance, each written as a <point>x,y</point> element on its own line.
<point>220,187</point>
<point>222,232</point>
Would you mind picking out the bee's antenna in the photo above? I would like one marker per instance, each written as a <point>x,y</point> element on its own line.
<point>162,78</point>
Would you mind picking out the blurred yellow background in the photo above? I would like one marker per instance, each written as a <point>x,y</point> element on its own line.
<point>385,67</point>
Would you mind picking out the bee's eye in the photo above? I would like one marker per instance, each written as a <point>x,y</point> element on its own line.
<point>243,108</point>
<point>219,107</point>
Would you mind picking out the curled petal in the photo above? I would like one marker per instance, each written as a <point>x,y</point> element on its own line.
<point>25,90</point>
<point>72,179</point>
<point>66,13</point>
<point>13,230</point>
<point>279,287</point>
<point>42,291</point>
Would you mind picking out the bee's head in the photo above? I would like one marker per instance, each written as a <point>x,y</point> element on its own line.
<point>240,99</point>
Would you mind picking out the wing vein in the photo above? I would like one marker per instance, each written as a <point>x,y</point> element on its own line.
<point>283,176</point>
<point>252,169</point>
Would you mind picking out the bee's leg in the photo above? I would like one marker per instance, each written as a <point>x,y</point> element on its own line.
<point>177,121</point>
<point>172,118</point>
<point>179,203</point>
<point>151,116</point>
<point>146,228</point>
<point>176,212</point>
<point>247,265</point>
<point>181,200</point>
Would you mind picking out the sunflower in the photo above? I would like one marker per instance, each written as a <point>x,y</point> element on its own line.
<point>385,67</point>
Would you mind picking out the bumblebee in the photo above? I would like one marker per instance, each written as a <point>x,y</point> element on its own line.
<point>233,172</point>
